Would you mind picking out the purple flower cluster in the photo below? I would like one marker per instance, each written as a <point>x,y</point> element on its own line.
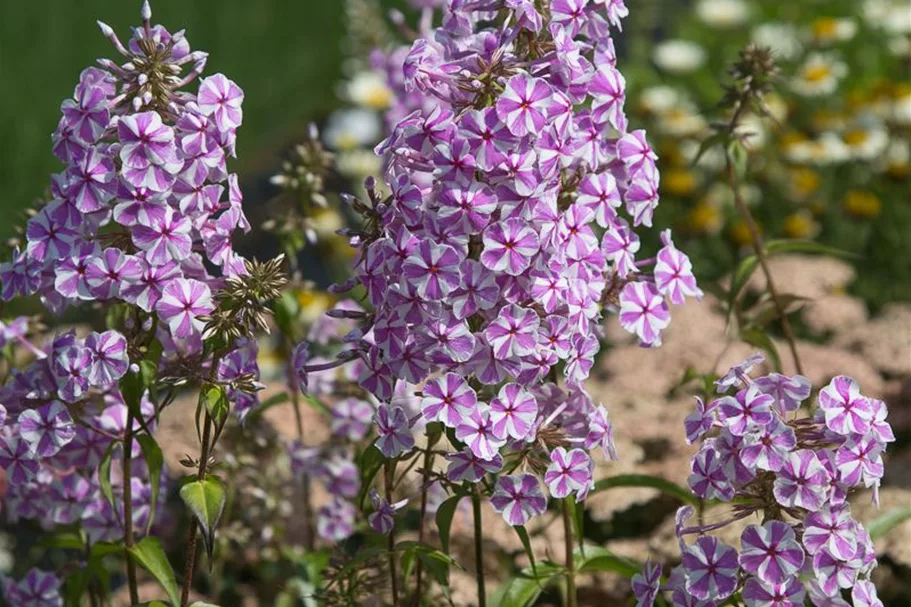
<point>515,186</point>
<point>350,420</point>
<point>36,589</point>
<point>797,472</point>
<point>50,460</point>
<point>145,206</point>
<point>142,215</point>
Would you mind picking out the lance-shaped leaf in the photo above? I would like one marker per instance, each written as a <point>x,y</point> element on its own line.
<point>149,554</point>
<point>645,480</point>
<point>206,500</point>
<point>154,459</point>
<point>444,519</point>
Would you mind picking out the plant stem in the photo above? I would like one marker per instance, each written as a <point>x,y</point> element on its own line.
<point>478,547</point>
<point>393,576</point>
<point>571,598</point>
<point>419,569</point>
<point>128,507</point>
<point>294,389</point>
<point>190,561</point>
<point>758,246</point>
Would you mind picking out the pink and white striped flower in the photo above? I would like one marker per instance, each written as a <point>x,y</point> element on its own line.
<point>518,498</point>
<point>183,301</point>
<point>524,104</point>
<point>568,472</point>
<point>509,246</point>
<point>513,412</point>
<point>643,312</point>
<point>448,399</point>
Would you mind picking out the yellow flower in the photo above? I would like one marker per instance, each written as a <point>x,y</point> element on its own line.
<point>313,304</point>
<point>804,182</point>
<point>705,218</point>
<point>678,182</point>
<point>800,225</point>
<point>740,233</point>
<point>864,205</point>
<point>826,30</point>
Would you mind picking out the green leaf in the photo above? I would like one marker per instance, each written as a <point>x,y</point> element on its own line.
<point>287,309</point>
<point>371,461</point>
<point>217,404</point>
<point>154,459</point>
<point>759,338</point>
<point>646,480</point>
<point>524,589</point>
<point>444,519</point>
<point>526,543</point>
<point>202,604</point>
<point>741,277</point>
<point>578,513</point>
<point>885,523</point>
<point>602,559</point>
<point>134,384</point>
<point>104,475</point>
<point>206,500</point>
<point>154,604</point>
<point>317,404</point>
<point>149,554</point>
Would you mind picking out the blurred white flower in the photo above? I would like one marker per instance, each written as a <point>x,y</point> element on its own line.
<point>659,99</point>
<point>369,89</point>
<point>358,164</point>
<point>352,128</point>
<point>890,15</point>
<point>819,75</point>
<point>712,159</point>
<point>678,56</point>
<point>829,30</point>
<point>780,37</point>
<point>682,120</point>
<point>723,14</point>
<point>901,109</point>
<point>866,142</point>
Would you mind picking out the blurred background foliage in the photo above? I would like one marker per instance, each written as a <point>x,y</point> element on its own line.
<point>835,169</point>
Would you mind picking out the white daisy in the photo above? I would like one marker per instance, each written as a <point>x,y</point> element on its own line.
<point>678,56</point>
<point>723,14</point>
<point>819,75</point>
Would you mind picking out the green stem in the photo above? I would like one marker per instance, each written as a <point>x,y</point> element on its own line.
<point>190,561</point>
<point>419,569</point>
<point>294,389</point>
<point>479,547</point>
<point>393,575</point>
<point>571,597</point>
<point>128,508</point>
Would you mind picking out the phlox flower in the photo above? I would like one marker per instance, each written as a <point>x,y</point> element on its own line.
<point>643,312</point>
<point>771,552</point>
<point>476,430</point>
<point>448,399</point>
<point>17,458</point>
<point>433,269</point>
<point>674,272</point>
<point>513,333</point>
<point>567,472</point>
<point>37,589</point>
<point>832,528</point>
<point>524,104</point>
<point>220,99</point>
<point>393,430</point>
<point>464,465</point>
<point>183,301</point>
<point>382,519</point>
<point>646,584</point>
<point>509,246</point>
<point>335,520</point>
<point>802,482</point>
<point>790,593</point>
<point>513,412</point>
<point>109,357</point>
<point>518,498</point>
<point>351,418</point>
<point>745,411</point>
<point>711,569</point>
<point>846,411</point>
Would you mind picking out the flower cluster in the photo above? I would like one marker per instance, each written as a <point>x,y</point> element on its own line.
<point>504,239</point>
<point>50,460</point>
<point>139,211</point>
<point>350,420</point>
<point>797,472</point>
<point>141,221</point>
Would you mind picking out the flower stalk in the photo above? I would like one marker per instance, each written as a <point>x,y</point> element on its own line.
<point>128,538</point>
<point>479,546</point>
